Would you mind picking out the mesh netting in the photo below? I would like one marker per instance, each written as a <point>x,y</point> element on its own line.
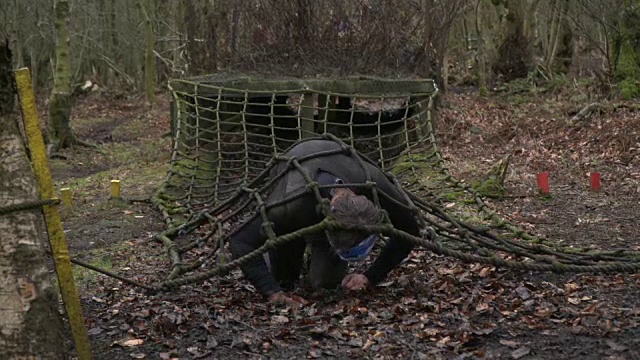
<point>231,137</point>
<point>229,127</point>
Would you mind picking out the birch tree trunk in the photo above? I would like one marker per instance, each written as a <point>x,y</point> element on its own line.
<point>30,324</point>
<point>60,133</point>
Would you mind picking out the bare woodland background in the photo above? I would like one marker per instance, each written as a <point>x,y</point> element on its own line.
<point>75,46</point>
<point>475,42</point>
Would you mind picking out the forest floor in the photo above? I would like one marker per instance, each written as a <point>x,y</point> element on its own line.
<point>432,307</point>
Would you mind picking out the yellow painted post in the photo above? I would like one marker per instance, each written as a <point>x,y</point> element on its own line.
<point>59,246</point>
<point>115,189</point>
<point>65,195</point>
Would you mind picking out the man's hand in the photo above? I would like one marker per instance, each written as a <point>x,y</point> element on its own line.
<point>355,282</point>
<point>283,298</point>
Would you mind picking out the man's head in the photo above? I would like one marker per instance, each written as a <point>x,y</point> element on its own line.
<point>351,209</point>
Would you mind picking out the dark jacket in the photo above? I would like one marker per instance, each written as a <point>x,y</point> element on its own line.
<point>302,211</point>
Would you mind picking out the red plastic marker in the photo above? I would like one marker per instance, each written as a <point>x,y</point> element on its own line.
<point>543,182</point>
<point>595,181</point>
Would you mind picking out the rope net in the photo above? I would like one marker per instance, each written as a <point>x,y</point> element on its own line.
<point>228,128</point>
<point>231,136</point>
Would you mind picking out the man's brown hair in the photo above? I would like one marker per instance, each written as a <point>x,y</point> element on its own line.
<point>353,210</point>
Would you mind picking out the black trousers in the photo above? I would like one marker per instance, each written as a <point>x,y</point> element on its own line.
<point>326,269</point>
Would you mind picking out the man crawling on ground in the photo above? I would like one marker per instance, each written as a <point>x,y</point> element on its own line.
<point>279,270</point>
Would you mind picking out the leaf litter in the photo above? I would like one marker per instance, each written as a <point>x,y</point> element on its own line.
<point>431,307</point>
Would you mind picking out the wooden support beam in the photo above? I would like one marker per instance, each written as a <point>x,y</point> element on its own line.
<point>305,115</point>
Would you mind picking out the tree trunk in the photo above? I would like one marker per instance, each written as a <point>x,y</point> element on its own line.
<point>194,51</point>
<point>481,55</point>
<point>113,44</point>
<point>30,324</point>
<point>234,32</point>
<point>147,8</point>
<point>60,133</point>
<point>439,17</point>
<point>514,53</point>
<point>7,90</point>
<point>560,39</point>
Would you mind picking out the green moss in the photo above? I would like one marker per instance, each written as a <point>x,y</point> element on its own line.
<point>489,188</point>
<point>629,89</point>
<point>136,179</point>
<point>628,74</point>
<point>453,196</point>
<point>131,130</point>
<point>86,276</point>
<point>90,122</point>
<point>546,197</point>
<point>417,162</point>
<point>518,99</point>
<point>628,66</point>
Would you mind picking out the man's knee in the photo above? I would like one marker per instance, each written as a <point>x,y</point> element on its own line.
<point>326,281</point>
<point>326,272</point>
<point>326,269</point>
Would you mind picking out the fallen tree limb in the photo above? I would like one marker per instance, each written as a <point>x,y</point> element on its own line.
<point>586,112</point>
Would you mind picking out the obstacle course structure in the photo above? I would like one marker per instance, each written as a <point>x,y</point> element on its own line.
<point>227,128</point>
<point>230,133</point>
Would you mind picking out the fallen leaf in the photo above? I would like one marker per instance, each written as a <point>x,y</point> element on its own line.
<point>142,313</point>
<point>523,351</point>
<point>129,342</point>
<point>95,331</point>
<point>444,340</point>
<point>510,343</point>
<point>589,310</point>
<point>356,342</point>
<point>523,292</point>
<point>431,331</point>
<point>573,301</point>
<point>211,343</point>
<point>484,272</point>
<point>571,287</point>
<point>368,344</point>
<point>279,319</point>
<point>485,331</point>
<point>195,351</point>
<point>615,346</point>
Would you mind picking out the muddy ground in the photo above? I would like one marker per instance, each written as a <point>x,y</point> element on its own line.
<point>431,307</point>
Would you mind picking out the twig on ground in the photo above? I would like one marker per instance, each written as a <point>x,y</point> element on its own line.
<point>586,112</point>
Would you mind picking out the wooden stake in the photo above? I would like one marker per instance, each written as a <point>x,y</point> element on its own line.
<point>115,189</point>
<point>65,195</point>
<point>53,220</point>
<point>543,182</point>
<point>595,181</point>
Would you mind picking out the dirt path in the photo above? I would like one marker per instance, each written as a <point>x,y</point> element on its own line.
<point>431,307</point>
